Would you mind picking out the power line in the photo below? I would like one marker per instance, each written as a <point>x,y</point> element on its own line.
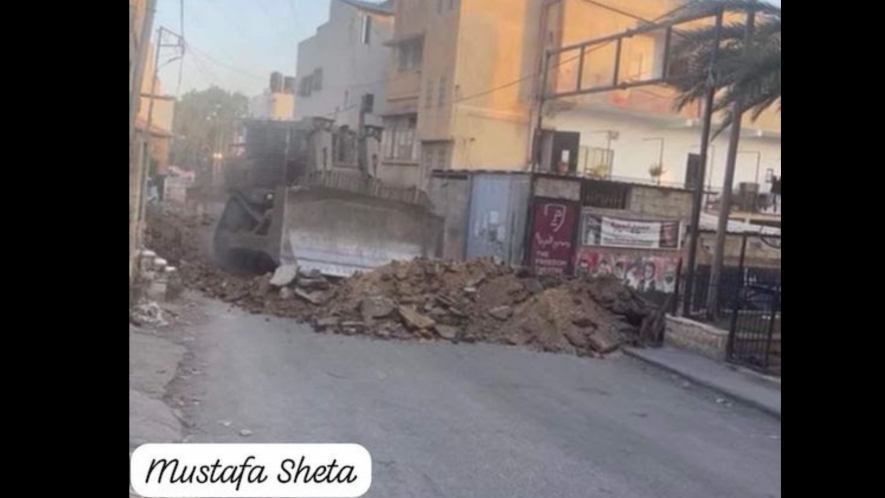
<point>206,55</point>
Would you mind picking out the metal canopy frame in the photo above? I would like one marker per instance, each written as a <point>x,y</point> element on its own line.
<point>666,78</point>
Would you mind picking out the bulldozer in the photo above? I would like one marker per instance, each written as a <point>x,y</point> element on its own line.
<point>306,193</point>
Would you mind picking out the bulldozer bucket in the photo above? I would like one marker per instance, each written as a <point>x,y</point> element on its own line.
<point>336,231</point>
<point>339,232</point>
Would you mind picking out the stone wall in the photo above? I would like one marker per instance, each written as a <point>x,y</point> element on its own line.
<point>696,337</point>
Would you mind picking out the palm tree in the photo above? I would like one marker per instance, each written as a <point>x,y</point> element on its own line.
<point>754,74</point>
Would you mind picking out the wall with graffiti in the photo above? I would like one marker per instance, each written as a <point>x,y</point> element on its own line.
<point>647,274</point>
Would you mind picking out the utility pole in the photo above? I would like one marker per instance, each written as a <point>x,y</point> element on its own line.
<point>709,99</point>
<point>727,187</point>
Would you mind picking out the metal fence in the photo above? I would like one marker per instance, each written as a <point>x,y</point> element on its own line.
<point>748,307</point>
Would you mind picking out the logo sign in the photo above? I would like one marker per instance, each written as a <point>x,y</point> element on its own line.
<point>553,234</point>
<point>251,470</point>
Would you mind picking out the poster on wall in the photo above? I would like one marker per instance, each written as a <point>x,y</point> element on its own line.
<point>644,274</point>
<point>553,236</point>
<point>607,231</point>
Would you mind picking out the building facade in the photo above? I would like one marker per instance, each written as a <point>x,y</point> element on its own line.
<point>140,23</point>
<point>465,77</point>
<point>345,60</point>
<point>277,101</point>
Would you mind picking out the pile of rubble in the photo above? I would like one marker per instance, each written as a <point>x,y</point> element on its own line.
<point>176,234</point>
<point>457,301</point>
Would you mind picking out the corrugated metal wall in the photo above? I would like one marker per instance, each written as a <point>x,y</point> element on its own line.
<point>498,212</point>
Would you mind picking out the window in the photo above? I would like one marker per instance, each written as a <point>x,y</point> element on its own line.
<point>345,145</point>
<point>399,139</point>
<point>405,143</point>
<point>442,157</point>
<point>317,79</point>
<point>435,155</point>
<point>411,54</point>
<point>442,90</point>
<point>305,86</point>
<point>607,195</point>
<point>427,163</point>
<point>366,34</point>
<point>428,96</point>
<point>596,162</point>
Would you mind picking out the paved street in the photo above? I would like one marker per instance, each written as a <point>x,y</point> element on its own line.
<point>474,420</point>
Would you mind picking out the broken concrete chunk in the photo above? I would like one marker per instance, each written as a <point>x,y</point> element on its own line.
<point>315,298</point>
<point>475,281</point>
<point>264,286</point>
<point>604,341</point>
<point>284,275</point>
<point>444,300</point>
<point>415,320</point>
<point>313,284</point>
<point>376,307</point>
<point>447,332</point>
<point>501,312</point>
<point>325,323</point>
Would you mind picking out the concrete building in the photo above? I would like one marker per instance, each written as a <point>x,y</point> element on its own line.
<point>277,102</point>
<point>345,59</point>
<point>160,118</point>
<point>628,131</point>
<point>464,84</point>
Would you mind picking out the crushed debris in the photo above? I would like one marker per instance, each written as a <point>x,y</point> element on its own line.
<point>457,301</point>
<point>472,301</point>
<point>147,315</point>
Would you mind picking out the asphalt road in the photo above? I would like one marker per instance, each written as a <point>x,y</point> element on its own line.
<point>474,420</point>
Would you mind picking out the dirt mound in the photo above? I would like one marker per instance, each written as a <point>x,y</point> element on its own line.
<point>472,301</point>
<point>457,301</point>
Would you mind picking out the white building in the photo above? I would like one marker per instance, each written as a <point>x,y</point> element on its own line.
<point>272,105</point>
<point>639,140</point>
<point>277,102</point>
<point>345,60</point>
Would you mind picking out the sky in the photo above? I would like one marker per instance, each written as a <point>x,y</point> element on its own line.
<point>236,44</point>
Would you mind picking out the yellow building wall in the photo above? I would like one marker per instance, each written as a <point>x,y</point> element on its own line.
<point>438,77</point>
<point>404,88</point>
<point>498,42</point>
<point>492,49</point>
<point>641,59</point>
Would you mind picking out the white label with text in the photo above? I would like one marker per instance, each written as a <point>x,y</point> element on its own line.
<point>251,470</point>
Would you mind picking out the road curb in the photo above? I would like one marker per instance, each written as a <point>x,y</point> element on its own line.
<point>705,383</point>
